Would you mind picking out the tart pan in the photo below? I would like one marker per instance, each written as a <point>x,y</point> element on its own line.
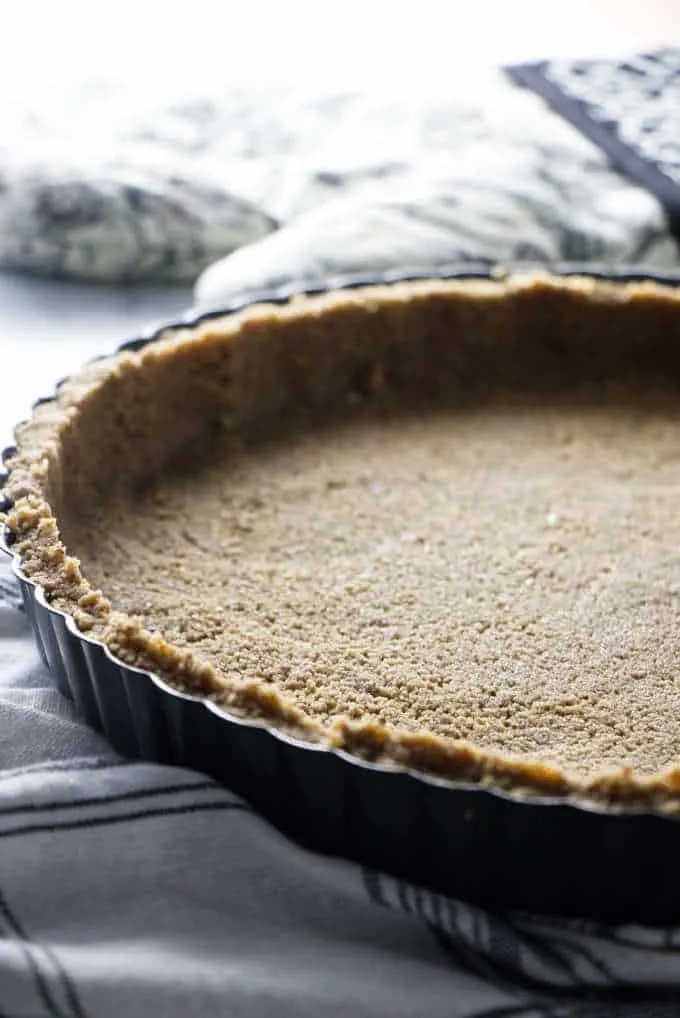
<point>484,846</point>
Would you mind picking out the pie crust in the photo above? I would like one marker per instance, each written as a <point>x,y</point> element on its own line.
<point>433,524</point>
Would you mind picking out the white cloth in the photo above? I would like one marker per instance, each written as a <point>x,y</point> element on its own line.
<point>277,185</point>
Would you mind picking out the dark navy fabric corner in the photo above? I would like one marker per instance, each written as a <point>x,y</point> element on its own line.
<point>629,108</point>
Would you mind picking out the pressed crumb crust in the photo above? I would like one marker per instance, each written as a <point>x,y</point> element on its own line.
<point>434,524</point>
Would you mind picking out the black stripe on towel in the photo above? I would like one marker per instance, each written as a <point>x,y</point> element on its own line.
<point>120,818</point>
<point>41,961</point>
<point>106,800</point>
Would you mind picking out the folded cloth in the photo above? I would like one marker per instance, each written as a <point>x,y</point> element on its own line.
<point>582,167</point>
<point>288,185</point>
<point>136,889</point>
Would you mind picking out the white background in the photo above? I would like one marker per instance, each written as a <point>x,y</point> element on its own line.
<point>168,45</point>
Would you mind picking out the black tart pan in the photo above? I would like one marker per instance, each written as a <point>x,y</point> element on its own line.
<point>486,847</point>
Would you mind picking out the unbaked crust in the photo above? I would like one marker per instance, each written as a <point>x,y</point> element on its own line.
<point>42,482</point>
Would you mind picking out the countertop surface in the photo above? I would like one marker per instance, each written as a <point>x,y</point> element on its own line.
<point>48,328</point>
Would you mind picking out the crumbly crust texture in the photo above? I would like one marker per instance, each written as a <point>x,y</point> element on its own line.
<point>432,524</point>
